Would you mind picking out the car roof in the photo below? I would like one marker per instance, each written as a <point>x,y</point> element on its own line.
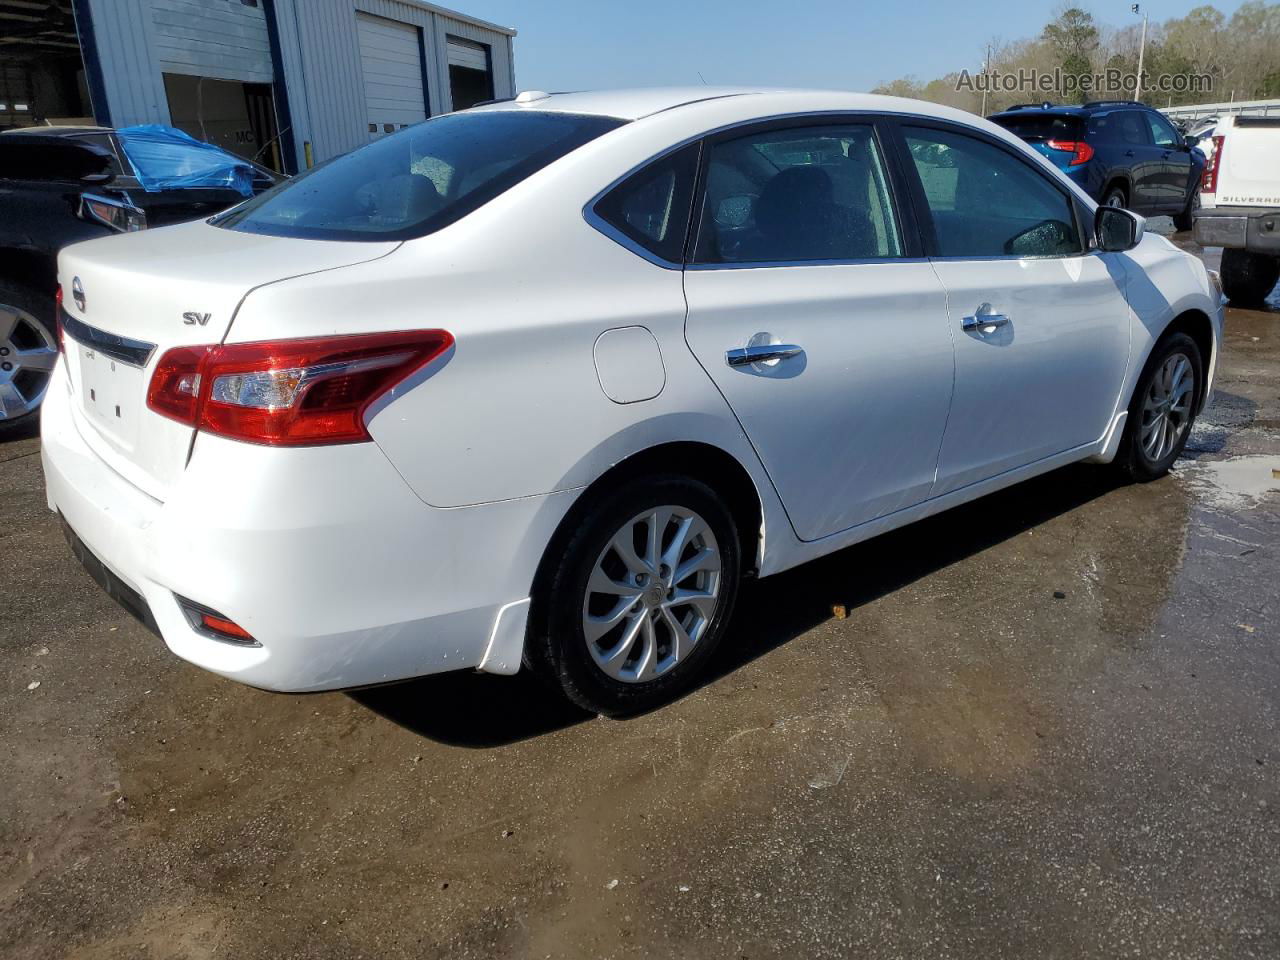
<point>1071,109</point>
<point>635,104</point>
<point>55,131</point>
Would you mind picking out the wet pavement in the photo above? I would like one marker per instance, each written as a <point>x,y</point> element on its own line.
<point>1047,727</point>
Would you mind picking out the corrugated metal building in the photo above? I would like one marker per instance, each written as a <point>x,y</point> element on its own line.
<point>288,82</point>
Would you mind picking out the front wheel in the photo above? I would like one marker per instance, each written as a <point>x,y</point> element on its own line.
<point>639,597</point>
<point>1186,219</point>
<point>1163,409</point>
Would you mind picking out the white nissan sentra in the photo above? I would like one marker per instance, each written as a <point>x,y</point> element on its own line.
<point>538,383</point>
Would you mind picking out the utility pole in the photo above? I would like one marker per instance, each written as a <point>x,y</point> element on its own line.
<point>986,80</point>
<point>1142,49</point>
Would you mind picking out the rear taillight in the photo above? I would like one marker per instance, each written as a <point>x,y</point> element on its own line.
<point>304,392</point>
<point>119,215</point>
<point>1209,179</point>
<point>1080,151</point>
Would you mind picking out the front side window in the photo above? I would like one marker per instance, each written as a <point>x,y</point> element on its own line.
<point>1162,133</point>
<point>986,202</point>
<point>651,207</point>
<point>417,180</point>
<point>796,195</point>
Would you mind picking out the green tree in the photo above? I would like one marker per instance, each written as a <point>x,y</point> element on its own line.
<point>1074,36</point>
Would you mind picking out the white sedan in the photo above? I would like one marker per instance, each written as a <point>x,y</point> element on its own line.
<point>538,383</point>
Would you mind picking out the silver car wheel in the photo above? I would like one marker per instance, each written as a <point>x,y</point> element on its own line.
<point>1166,410</point>
<point>27,356</point>
<point>652,594</point>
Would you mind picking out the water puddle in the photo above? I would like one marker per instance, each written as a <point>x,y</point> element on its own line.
<point>1237,483</point>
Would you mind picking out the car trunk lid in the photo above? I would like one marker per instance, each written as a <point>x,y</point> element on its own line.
<point>128,299</point>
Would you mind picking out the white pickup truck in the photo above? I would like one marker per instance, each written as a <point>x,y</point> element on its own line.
<point>1240,206</point>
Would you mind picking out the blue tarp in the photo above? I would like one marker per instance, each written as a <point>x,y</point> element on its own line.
<point>167,159</point>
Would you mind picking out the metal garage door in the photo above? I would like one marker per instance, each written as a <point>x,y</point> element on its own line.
<point>391,57</point>
<point>468,53</point>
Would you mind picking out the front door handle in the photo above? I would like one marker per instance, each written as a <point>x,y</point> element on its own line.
<point>761,353</point>
<point>983,321</point>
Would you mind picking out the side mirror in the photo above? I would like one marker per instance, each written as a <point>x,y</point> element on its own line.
<point>1117,230</point>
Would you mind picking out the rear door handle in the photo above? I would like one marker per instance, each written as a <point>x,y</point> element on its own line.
<point>762,353</point>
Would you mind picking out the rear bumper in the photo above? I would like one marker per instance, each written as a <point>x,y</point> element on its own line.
<point>341,574</point>
<point>1256,229</point>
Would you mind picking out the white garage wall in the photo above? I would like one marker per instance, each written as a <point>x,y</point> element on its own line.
<point>138,40</point>
<point>125,40</point>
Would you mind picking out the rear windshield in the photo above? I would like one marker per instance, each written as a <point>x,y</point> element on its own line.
<point>1041,126</point>
<point>418,180</point>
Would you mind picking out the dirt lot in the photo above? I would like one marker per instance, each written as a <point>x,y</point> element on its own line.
<point>966,766</point>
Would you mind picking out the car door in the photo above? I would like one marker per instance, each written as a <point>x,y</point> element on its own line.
<point>1040,321</point>
<point>814,313</point>
<point>1145,163</point>
<point>1175,161</point>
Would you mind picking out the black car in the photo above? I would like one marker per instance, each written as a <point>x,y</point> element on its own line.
<point>60,185</point>
<point>1123,153</point>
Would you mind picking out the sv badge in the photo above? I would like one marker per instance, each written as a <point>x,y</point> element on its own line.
<point>191,319</point>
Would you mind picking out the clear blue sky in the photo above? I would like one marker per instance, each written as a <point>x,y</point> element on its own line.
<point>584,44</point>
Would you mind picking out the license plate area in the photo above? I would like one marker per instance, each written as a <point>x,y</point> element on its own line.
<point>110,394</point>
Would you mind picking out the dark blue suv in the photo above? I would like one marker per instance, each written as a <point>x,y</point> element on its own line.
<point>1123,154</point>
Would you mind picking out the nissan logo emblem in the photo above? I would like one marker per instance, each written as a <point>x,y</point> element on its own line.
<point>77,293</point>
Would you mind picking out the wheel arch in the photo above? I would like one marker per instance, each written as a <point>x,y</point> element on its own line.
<point>699,460</point>
<point>1197,325</point>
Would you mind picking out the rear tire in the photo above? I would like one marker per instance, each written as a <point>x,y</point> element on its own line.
<point>1248,278</point>
<point>1163,409</point>
<point>618,628</point>
<point>28,349</point>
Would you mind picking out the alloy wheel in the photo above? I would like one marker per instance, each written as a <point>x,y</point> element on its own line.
<point>1166,409</point>
<point>27,356</point>
<point>652,594</point>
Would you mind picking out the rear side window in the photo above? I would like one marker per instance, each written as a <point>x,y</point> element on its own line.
<point>1043,126</point>
<point>797,195</point>
<point>985,202</point>
<point>1131,126</point>
<point>651,207</point>
<point>418,180</point>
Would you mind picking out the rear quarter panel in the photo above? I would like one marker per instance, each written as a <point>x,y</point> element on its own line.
<point>526,286</point>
